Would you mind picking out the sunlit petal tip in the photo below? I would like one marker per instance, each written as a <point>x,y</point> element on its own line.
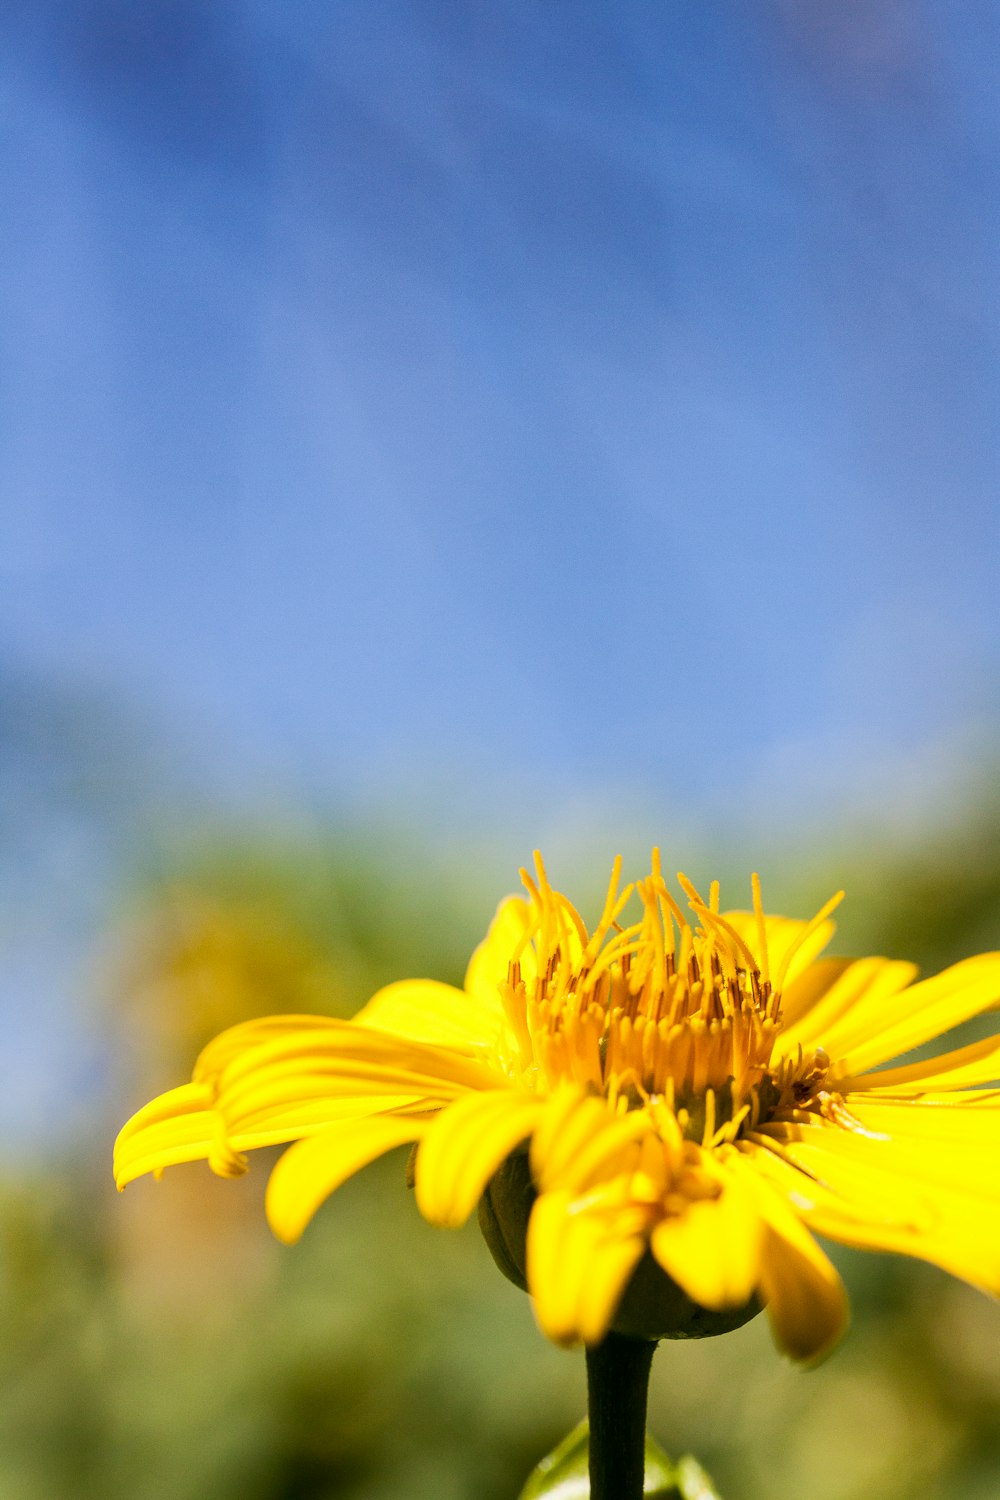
<point>177,1126</point>
<point>190,1098</point>
<point>810,1334</point>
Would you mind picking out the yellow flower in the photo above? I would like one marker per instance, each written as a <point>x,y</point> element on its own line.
<point>696,1096</point>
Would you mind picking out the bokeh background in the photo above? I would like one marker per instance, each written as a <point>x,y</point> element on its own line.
<point>430,431</point>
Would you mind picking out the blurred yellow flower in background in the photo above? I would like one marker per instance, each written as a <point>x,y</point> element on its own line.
<point>690,1098</point>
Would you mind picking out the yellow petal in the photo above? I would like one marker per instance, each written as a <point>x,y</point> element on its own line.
<point>310,1170</point>
<point>921,1164</point>
<point>712,1247</point>
<point>191,1099</point>
<point>968,1123</point>
<point>178,1126</point>
<point>236,1040</point>
<point>489,964</point>
<point>464,1147</point>
<point>872,1033</point>
<point>872,1210</point>
<point>186,1135</point>
<point>287,1121</point>
<point>348,1040</point>
<point>167,1145</point>
<point>805,1298</point>
<point>936,1201</point>
<point>858,997</point>
<point>578,1141</point>
<point>342,1061</point>
<point>426,1011</point>
<point>612,1150</point>
<point>275,1080</point>
<point>573,1119</point>
<point>275,1092</point>
<point>809,987</point>
<point>578,1266</point>
<point>181,1125</point>
<point>979,1062</point>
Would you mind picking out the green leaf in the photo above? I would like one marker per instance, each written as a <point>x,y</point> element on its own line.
<point>563,1475</point>
<point>692,1481</point>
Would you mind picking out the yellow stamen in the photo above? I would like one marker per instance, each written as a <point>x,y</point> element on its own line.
<point>720,924</point>
<point>690,890</point>
<point>807,932</point>
<point>758,911</point>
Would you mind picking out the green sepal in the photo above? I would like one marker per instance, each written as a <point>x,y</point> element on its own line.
<point>504,1210</point>
<point>564,1475</point>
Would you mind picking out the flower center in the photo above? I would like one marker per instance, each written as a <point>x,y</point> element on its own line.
<point>658,1013</point>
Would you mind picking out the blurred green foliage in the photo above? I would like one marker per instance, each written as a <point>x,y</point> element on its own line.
<point>160,1346</point>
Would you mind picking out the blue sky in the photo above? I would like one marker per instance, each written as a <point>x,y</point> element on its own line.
<point>572,391</point>
<point>527,405</point>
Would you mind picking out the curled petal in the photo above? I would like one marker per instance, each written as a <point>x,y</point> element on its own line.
<point>712,1248</point>
<point>465,1146</point>
<point>310,1170</point>
<point>578,1266</point>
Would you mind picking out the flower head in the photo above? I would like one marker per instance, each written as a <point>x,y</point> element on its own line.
<point>665,1110</point>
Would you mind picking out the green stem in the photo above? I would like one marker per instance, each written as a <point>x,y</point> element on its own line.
<point>617,1380</point>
